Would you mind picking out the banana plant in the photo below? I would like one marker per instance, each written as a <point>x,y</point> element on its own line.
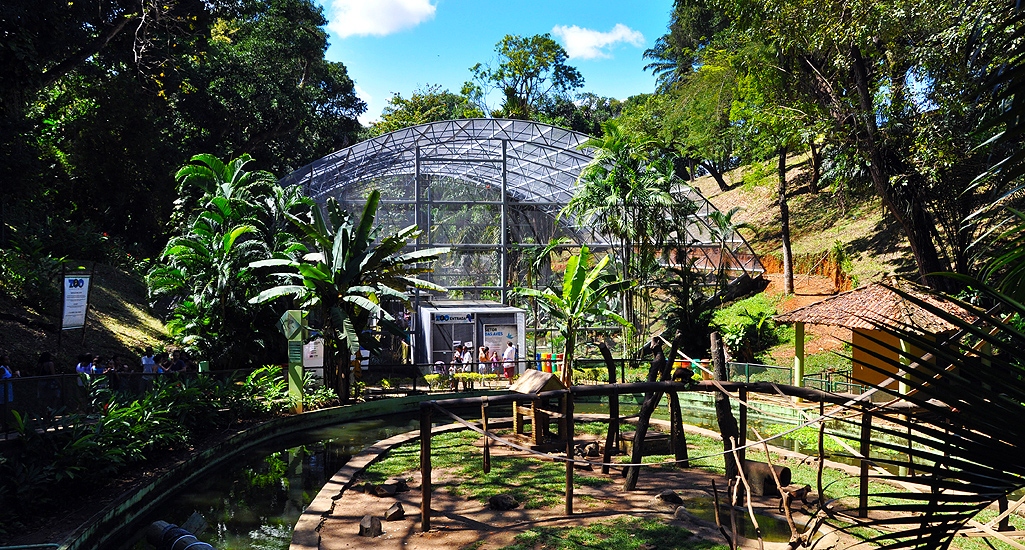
<point>584,297</point>
<point>347,268</point>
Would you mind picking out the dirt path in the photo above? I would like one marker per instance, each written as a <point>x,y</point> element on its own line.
<point>458,522</point>
<point>808,289</point>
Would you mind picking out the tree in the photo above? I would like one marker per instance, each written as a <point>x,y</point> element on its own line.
<point>221,77</point>
<point>693,24</point>
<point>629,198</point>
<point>205,269</point>
<point>582,300</point>
<point>585,115</point>
<point>428,104</point>
<point>347,269</point>
<point>528,69</point>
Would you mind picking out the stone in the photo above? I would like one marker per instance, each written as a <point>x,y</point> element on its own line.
<point>401,485</point>
<point>386,490</point>
<point>395,513</point>
<point>669,496</point>
<point>502,502</point>
<point>666,501</point>
<point>370,526</point>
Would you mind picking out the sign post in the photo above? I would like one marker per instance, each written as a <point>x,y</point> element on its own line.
<point>291,324</point>
<point>74,301</point>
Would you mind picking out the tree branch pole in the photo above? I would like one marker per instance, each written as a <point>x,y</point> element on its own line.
<point>651,400</point>
<point>612,438</point>
<point>723,413</point>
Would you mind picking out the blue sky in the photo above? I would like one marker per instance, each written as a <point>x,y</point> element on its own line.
<point>399,46</point>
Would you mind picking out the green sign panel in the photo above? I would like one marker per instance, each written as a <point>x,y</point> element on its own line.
<point>291,323</point>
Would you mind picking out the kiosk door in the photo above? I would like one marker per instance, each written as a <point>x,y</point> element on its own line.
<point>445,337</point>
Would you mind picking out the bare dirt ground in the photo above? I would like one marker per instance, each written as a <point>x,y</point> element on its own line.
<point>461,523</point>
<point>808,289</point>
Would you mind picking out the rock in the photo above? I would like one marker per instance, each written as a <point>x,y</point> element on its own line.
<point>400,484</point>
<point>502,502</point>
<point>386,490</point>
<point>667,501</point>
<point>670,497</point>
<point>369,526</point>
<point>395,513</point>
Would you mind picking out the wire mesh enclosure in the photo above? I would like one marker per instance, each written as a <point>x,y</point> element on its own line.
<point>492,191</point>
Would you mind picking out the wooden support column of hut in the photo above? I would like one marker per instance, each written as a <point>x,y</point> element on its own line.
<point>540,437</point>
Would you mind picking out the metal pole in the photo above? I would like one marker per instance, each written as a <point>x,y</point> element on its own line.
<point>504,253</point>
<point>866,441</point>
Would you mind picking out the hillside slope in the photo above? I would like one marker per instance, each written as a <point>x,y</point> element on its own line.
<point>870,236</point>
<point>118,324</point>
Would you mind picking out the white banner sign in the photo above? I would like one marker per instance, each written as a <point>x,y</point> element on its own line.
<point>313,353</point>
<point>76,297</point>
<point>496,337</point>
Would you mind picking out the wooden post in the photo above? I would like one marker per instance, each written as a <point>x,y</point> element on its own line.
<point>723,412</point>
<point>612,438</point>
<point>866,442</point>
<point>425,465</point>
<point>568,411</point>
<point>487,440</point>
<point>798,355</point>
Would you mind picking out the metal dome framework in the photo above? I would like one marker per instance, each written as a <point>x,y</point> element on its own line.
<point>491,189</point>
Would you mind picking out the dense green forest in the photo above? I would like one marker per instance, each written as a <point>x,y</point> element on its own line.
<point>102,101</point>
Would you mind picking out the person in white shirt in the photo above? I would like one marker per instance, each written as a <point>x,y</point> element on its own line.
<point>467,359</point>
<point>509,360</point>
<point>149,366</point>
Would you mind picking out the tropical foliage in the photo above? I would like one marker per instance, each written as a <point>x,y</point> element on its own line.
<point>347,268</point>
<point>230,217</point>
<point>582,300</point>
<point>65,454</point>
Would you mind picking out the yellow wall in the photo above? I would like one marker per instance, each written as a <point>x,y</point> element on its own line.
<point>862,345</point>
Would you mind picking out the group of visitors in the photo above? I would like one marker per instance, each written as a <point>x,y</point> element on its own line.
<point>487,361</point>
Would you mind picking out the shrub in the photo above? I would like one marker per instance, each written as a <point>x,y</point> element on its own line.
<point>747,326</point>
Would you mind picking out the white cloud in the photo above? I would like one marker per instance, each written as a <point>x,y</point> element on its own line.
<point>591,44</point>
<point>368,116</point>
<point>376,17</point>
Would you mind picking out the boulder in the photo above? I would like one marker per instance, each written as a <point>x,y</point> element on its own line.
<point>395,513</point>
<point>400,484</point>
<point>369,526</point>
<point>386,490</point>
<point>502,502</point>
<point>667,501</point>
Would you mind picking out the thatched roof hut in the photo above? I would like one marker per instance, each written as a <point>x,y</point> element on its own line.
<point>864,310</point>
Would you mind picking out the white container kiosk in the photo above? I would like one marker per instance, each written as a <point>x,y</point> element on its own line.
<point>472,323</point>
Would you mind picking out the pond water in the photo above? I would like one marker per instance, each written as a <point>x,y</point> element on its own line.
<point>254,502</point>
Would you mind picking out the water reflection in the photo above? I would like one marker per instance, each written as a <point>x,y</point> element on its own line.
<point>255,502</point>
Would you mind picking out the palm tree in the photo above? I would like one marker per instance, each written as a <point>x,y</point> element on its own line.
<point>583,299</point>
<point>347,268</point>
<point>627,196</point>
